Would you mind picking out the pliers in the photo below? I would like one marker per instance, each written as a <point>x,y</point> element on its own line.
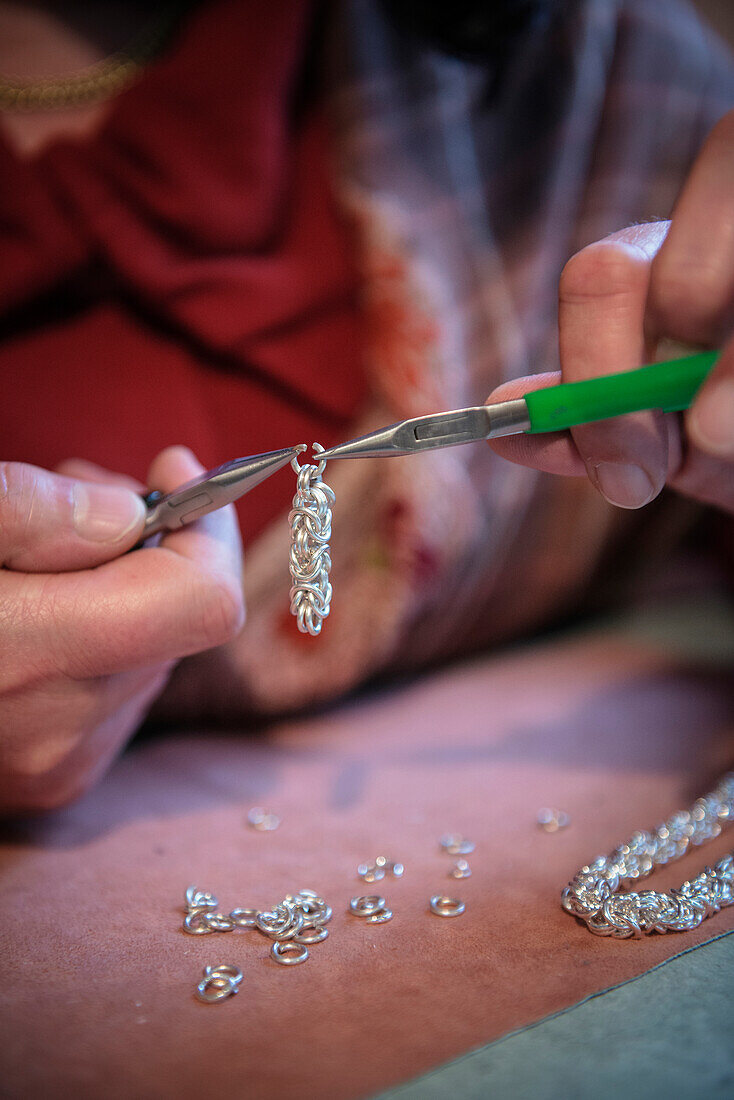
<point>211,490</point>
<point>670,386</point>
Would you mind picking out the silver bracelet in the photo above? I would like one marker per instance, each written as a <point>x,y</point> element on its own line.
<point>592,895</point>
<point>310,561</point>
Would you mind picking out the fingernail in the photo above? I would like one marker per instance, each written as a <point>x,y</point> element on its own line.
<point>105,514</point>
<point>627,486</point>
<point>712,419</point>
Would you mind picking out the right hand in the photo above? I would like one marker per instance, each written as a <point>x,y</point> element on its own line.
<point>88,637</point>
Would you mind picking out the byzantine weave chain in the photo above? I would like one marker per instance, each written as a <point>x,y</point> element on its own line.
<point>592,895</point>
<point>310,562</point>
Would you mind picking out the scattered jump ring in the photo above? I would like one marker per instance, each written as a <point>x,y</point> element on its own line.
<point>289,953</point>
<point>456,844</point>
<point>200,899</point>
<point>444,906</point>
<point>369,872</point>
<point>218,922</point>
<point>244,918</point>
<point>369,903</point>
<point>380,916</point>
<point>262,820</point>
<point>316,934</point>
<point>550,821</point>
<point>461,869</point>
<point>218,983</point>
<point>196,924</point>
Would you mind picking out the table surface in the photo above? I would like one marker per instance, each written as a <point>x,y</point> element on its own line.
<point>616,728</point>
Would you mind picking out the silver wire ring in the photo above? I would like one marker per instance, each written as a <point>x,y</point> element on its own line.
<point>244,918</point>
<point>224,970</point>
<point>218,983</point>
<point>368,903</point>
<point>218,922</point>
<point>315,934</point>
<point>282,923</point>
<point>195,922</point>
<point>461,869</point>
<point>289,953</point>
<point>444,906</point>
<point>317,448</point>
<point>200,899</point>
<point>380,916</point>
<point>456,844</point>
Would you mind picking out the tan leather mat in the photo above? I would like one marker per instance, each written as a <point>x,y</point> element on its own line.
<point>98,978</point>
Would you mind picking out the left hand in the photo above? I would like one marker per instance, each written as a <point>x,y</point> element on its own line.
<point>618,298</point>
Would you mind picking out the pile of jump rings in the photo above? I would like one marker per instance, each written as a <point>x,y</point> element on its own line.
<point>297,922</point>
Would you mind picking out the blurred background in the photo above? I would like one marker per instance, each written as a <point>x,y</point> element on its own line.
<point>720,14</point>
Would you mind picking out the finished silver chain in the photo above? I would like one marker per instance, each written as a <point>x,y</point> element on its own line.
<point>310,562</point>
<point>592,893</point>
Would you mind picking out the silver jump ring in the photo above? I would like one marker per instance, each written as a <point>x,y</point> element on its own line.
<point>218,922</point>
<point>315,447</point>
<point>456,844</point>
<point>368,903</point>
<point>444,906</point>
<point>218,983</point>
<point>315,934</point>
<point>224,970</point>
<point>380,916</point>
<point>289,953</point>
<point>200,899</point>
<point>461,869</point>
<point>195,922</point>
<point>244,918</point>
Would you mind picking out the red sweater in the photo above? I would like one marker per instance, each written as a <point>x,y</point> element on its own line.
<point>183,275</point>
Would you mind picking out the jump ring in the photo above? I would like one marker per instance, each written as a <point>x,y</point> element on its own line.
<point>316,934</point>
<point>195,922</point>
<point>289,953</point>
<point>380,916</point>
<point>200,899</point>
<point>444,906</point>
<point>368,903</point>
<point>244,918</point>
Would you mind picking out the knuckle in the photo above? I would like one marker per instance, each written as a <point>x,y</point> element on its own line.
<point>605,269</point>
<point>689,293</point>
<point>221,611</point>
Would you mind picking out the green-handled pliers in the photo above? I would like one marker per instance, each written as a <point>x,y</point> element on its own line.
<point>670,386</point>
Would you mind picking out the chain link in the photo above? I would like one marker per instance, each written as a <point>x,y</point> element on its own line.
<point>592,895</point>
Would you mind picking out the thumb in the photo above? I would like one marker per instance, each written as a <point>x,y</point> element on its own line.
<point>50,523</point>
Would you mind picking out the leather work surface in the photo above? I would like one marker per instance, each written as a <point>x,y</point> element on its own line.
<point>668,1032</point>
<point>98,977</point>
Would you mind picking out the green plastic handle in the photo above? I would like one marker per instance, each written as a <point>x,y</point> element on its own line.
<point>669,386</point>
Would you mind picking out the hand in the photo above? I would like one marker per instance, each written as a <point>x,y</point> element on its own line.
<point>618,298</point>
<point>87,638</point>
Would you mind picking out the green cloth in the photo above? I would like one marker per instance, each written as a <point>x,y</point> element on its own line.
<point>668,1033</point>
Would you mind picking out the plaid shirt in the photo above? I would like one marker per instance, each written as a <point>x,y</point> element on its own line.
<point>472,185</point>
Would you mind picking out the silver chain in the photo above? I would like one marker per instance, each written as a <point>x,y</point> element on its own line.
<point>592,895</point>
<point>310,562</point>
